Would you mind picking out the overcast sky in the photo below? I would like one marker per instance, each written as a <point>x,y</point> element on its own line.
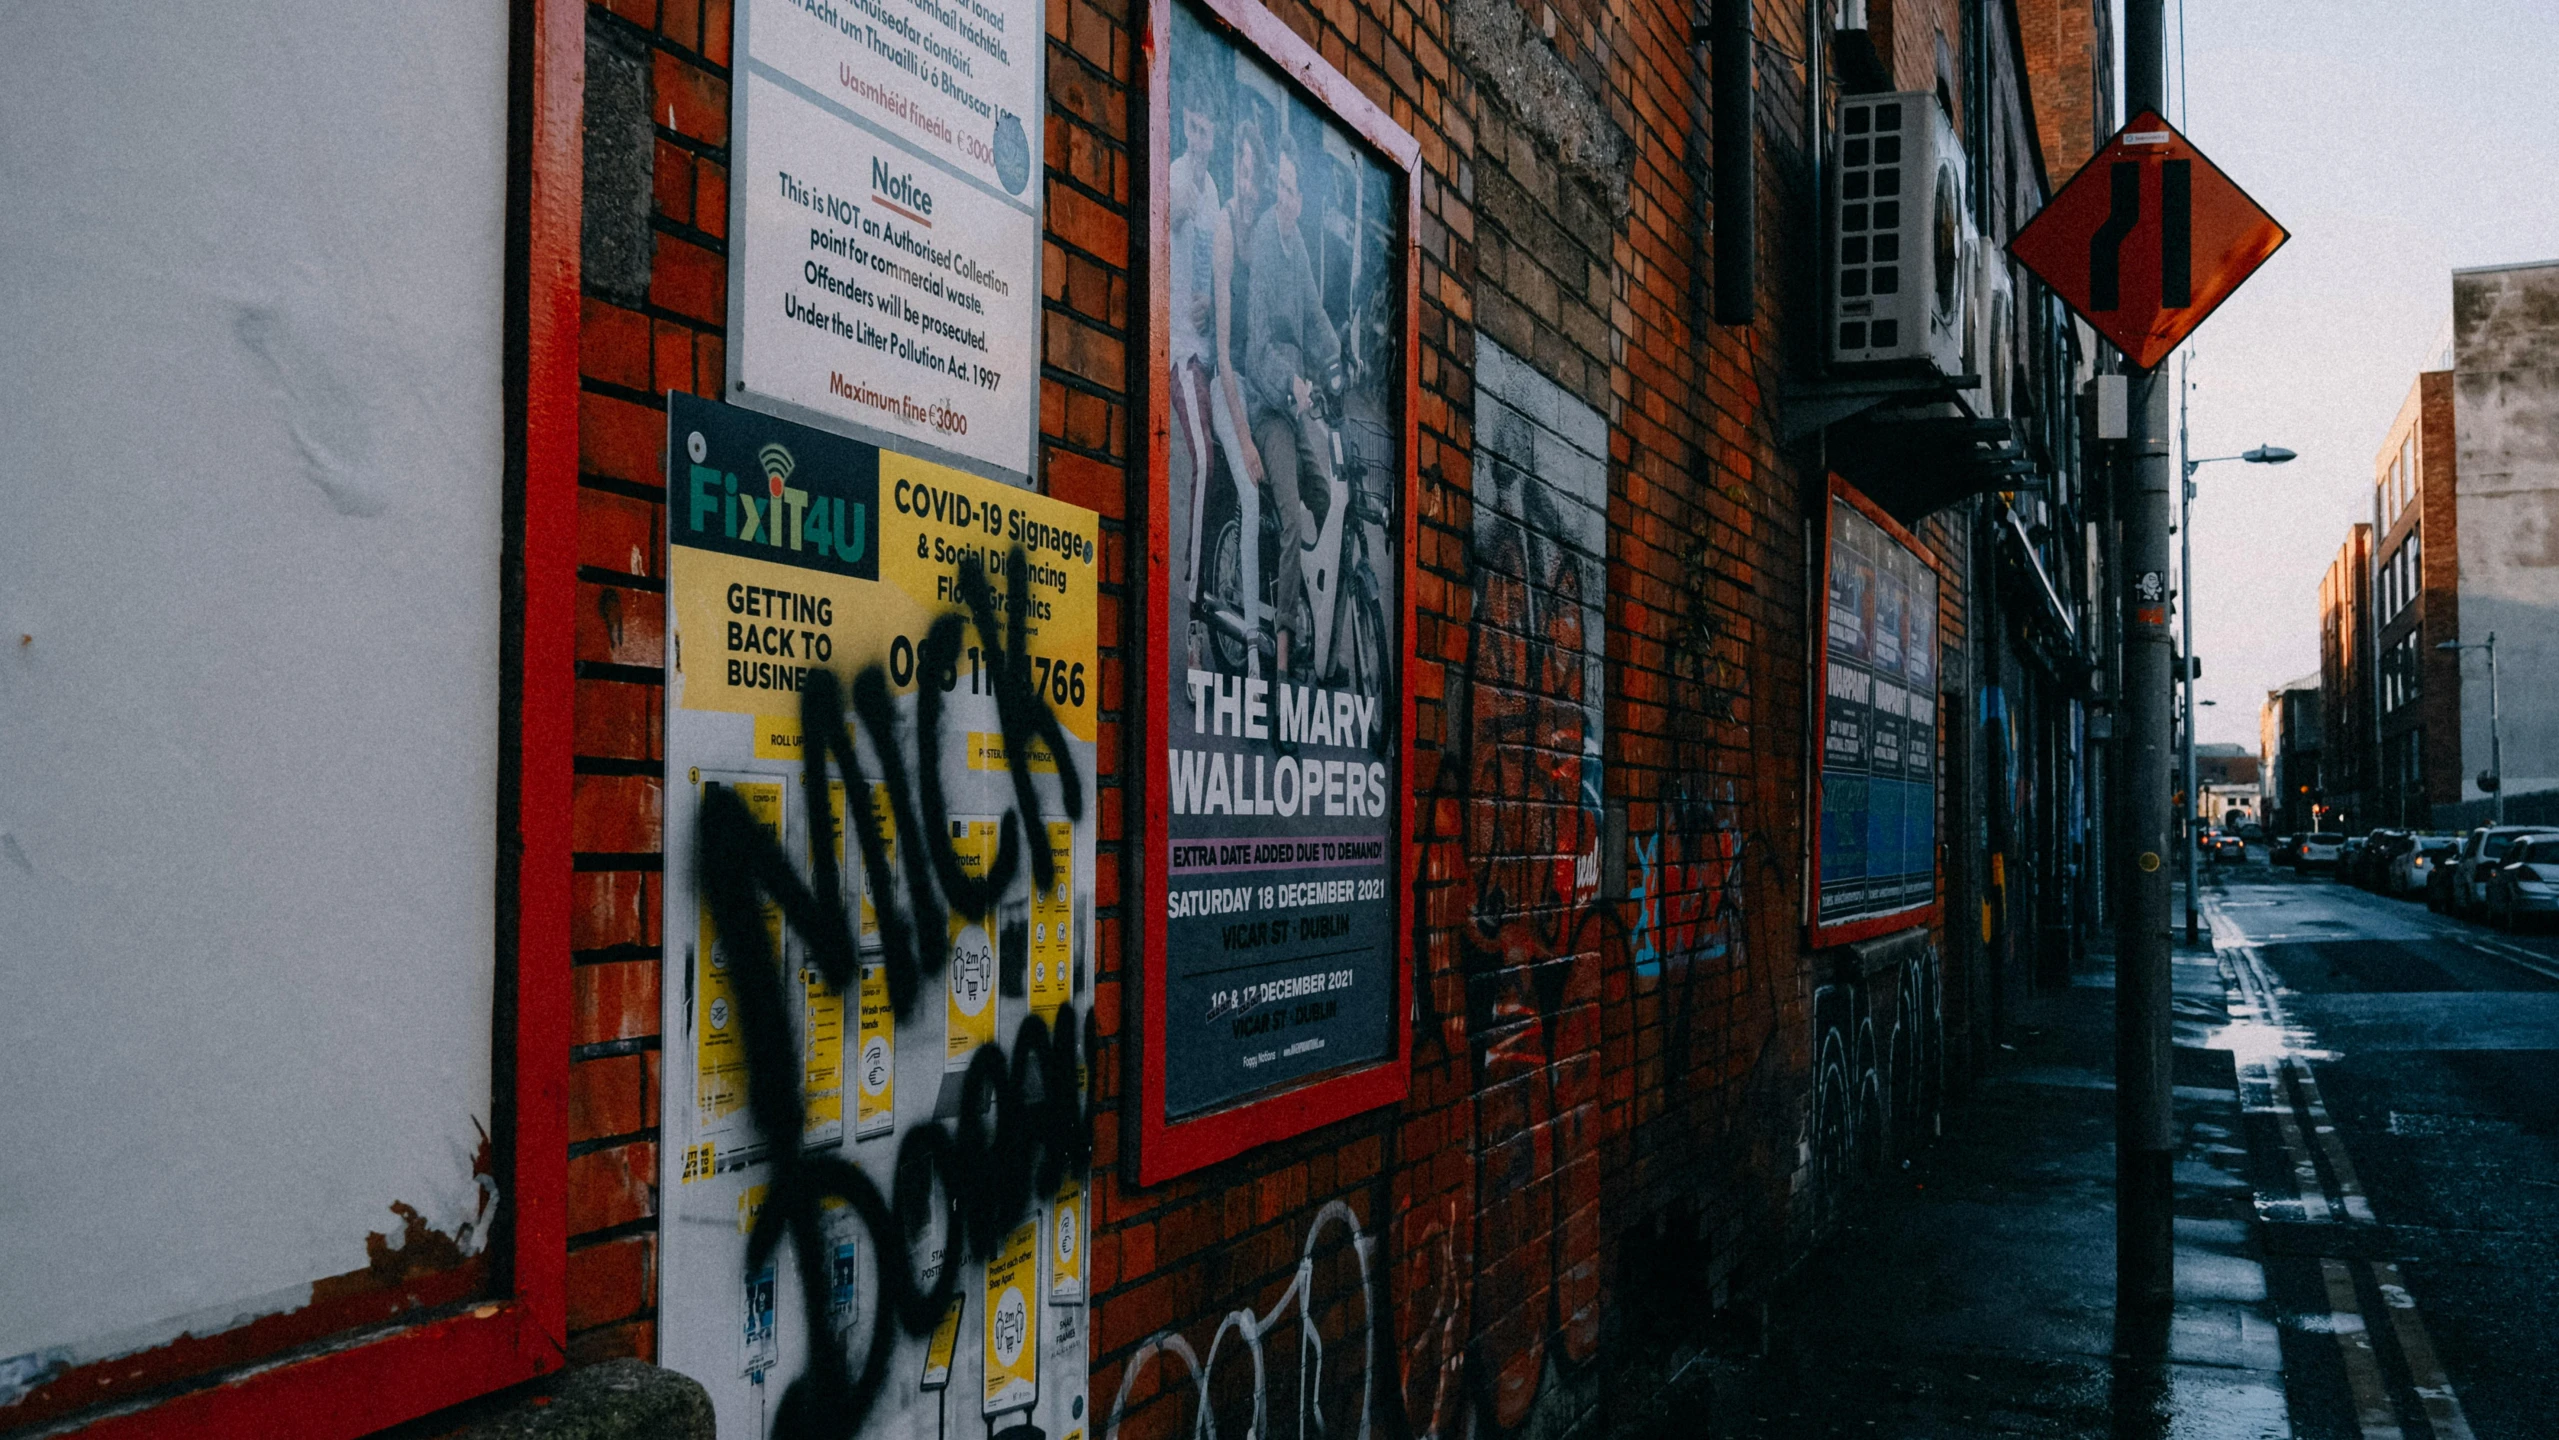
<point>2397,140</point>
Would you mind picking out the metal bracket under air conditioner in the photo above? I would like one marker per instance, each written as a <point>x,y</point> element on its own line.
<point>1823,403</point>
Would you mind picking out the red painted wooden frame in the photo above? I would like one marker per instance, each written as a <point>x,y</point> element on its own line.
<point>1166,1148</point>
<point>354,1384</point>
<point>1868,926</point>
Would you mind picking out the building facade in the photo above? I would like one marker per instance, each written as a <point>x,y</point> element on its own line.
<point>2227,785</point>
<point>1639,1072</point>
<point>2451,559</point>
<point>2350,761</point>
<point>2288,747</point>
<point>2417,607</point>
<point>2505,391</point>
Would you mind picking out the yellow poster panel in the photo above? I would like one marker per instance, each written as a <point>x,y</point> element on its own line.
<point>1066,1244</point>
<point>969,1021</point>
<point>1053,928</point>
<point>1012,1344</point>
<point>934,517</point>
<point>875,1094</point>
<point>719,1062</point>
<point>822,1069</point>
<point>749,629</point>
<point>945,1343</point>
<point>885,814</point>
<point>822,1028</point>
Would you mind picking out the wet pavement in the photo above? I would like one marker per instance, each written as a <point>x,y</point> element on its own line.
<point>1970,1289</point>
<point>2402,1073</point>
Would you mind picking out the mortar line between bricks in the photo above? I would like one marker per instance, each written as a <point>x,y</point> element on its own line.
<point>612,485</point>
<point>579,1148</point>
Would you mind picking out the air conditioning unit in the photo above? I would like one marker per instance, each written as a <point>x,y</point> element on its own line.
<point>1990,333</point>
<point>1902,235</point>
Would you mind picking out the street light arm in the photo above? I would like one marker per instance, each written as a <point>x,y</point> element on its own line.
<point>2262,455</point>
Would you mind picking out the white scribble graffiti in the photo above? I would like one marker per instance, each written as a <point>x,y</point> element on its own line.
<point>1248,1330</point>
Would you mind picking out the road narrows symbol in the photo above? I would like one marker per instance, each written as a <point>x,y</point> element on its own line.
<point>2144,269</point>
<point>2106,247</point>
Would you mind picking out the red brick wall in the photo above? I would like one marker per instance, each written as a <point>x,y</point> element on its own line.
<point>2068,72</point>
<point>2439,586</point>
<point>629,356</point>
<point>2345,694</point>
<point>1609,1101</point>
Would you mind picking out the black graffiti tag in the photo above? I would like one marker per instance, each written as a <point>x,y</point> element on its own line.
<point>1024,1123</point>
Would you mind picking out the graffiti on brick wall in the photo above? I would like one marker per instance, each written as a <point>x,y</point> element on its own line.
<point>1314,1347</point>
<point>1023,1127</point>
<point>1684,879</point>
<point>1877,1074</point>
<point>1527,754</point>
<point>1498,1278</point>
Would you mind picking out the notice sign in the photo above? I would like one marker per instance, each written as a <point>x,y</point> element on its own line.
<point>884,262</point>
<point>1877,861</point>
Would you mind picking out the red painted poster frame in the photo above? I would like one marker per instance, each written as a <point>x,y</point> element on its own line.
<point>1926,913</point>
<point>355,1384</point>
<point>1167,1148</point>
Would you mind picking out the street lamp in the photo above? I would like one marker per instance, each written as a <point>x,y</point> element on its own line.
<point>2262,455</point>
<point>2496,776</point>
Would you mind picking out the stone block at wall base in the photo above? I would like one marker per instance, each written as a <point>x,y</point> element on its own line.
<point>613,1400</point>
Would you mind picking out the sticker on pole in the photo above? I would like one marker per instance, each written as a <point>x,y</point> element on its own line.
<point>2147,239</point>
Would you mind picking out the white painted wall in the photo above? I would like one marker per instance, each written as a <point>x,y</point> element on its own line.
<point>250,482</point>
<point>2506,433</point>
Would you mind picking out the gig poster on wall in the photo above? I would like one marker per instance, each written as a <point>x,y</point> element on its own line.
<point>1282,479</point>
<point>1876,865</point>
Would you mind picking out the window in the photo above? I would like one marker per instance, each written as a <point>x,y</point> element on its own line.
<point>2400,673</point>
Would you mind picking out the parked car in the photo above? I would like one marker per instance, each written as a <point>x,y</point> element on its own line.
<point>2285,851</point>
<point>2349,855</point>
<point>2372,863</point>
<point>2482,851</point>
<point>2439,878</point>
<point>2412,872</point>
<point>2319,850</point>
<point>2526,886</point>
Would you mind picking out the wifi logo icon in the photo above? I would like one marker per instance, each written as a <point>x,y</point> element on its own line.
<point>778,463</point>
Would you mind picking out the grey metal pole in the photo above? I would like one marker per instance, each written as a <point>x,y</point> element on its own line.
<point>2496,746</point>
<point>2186,813</point>
<point>2145,1275</point>
<point>2184,834</point>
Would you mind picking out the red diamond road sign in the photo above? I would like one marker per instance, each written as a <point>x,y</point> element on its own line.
<point>2147,239</point>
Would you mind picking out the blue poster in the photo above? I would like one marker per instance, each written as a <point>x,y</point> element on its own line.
<point>1878,822</point>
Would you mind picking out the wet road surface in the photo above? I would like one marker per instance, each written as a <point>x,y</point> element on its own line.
<point>2400,1072</point>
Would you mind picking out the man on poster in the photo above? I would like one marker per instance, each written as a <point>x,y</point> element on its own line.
<point>1292,345</point>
